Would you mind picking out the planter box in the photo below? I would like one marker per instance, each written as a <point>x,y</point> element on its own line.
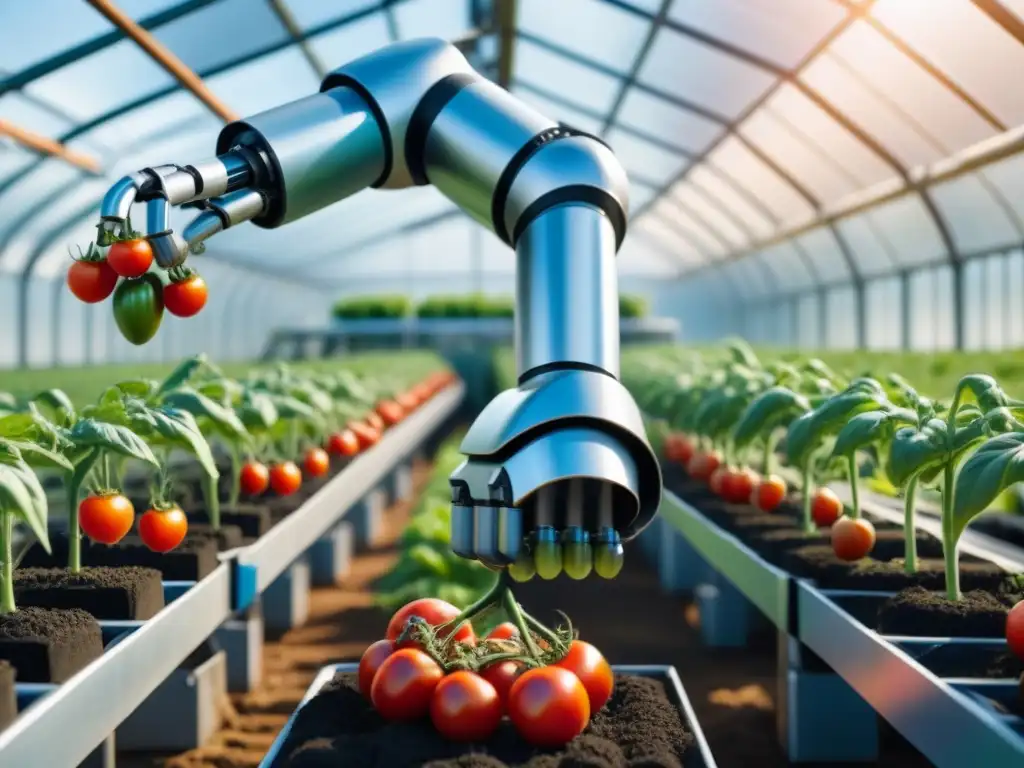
<point>698,754</point>
<point>331,556</point>
<point>286,601</point>
<point>241,638</point>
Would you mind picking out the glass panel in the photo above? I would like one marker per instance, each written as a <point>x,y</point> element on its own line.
<point>788,266</point>
<point>802,161</point>
<point>432,18</point>
<point>698,205</point>
<point>909,230</point>
<point>103,81</point>
<point>637,257</point>
<point>823,252</point>
<point>977,221</point>
<point>1007,176</point>
<point>781,30</point>
<point>922,329</point>
<point>313,13</point>
<point>267,82</point>
<point>960,40</point>
<point>44,226</point>
<point>608,34</point>
<point>712,183</point>
<point>869,251</point>
<point>639,194</point>
<point>1014,315</point>
<point>556,110</point>
<point>995,317</point>
<point>33,32</point>
<point>757,279</point>
<point>30,115</point>
<point>351,41</point>
<point>882,299</point>
<point>779,197</point>
<point>974,304</point>
<point>711,78</point>
<point>13,160</point>
<point>666,121</point>
<point>811,125</point>
<point>696,232</point>
<point>53,262</point>
<point>945,323</point>
<point>936,111</point>
<point>841,329</point>
<point>645,159</point>
<point>669,240</point>
<point>589,88</point>
<point>808,322</point>
<point>153,117</point>
<point>221,32</point>
<point>32,191</point>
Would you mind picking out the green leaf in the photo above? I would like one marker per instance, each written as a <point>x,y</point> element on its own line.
<point>800,439</point>
<point>986,390</point>
<point>863,431</point>
<point>143,389</point>
<point>23,496</point>
<point>257,411</point>
<point>836,411</point>
<point>182,373</point>
<point>58,401</point>
<point>111,437</point>
<point>994,467</point>
<point>179,428</point>
<point>775,407</point>
<point>224,390</point>
<point>37,456</point>
<point>8,402</point>
<point>743,353</point>
<point>292,408</point>
<point>17,424</point>
<point>224,420</point>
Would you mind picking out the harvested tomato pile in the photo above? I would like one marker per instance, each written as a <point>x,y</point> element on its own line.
<point>432,663</point>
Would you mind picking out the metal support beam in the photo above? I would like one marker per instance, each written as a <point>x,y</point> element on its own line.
<point>287,18</point>
<point>906,311</point>
<point>46,146</point>
<point>162,56</point>
<point>505,20</point>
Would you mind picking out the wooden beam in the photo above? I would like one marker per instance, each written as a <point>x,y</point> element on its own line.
<point>47,146</point>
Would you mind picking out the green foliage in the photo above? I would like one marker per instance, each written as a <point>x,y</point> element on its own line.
<point>372,307</point>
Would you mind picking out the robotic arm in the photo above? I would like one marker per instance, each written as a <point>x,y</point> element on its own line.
<point>558,471</point>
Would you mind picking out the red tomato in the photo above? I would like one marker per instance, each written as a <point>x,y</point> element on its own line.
<point>285,478</point>
<point>91,281</point>
<point>465,707</point>
<point>130,258</point>
<point>719,480</point>
<point>672,443</point>
<point>187,297</point>
<point>163,529</point>
<point>365,434</point>
<point>390,411</point>
<point>372,658</point>
<point>770,493</point>
<point>254,478</point>
<point>502,676</point>
<point>374,420</point>
<point>106,518</point>
<point>593,670</point>
<point>826,507</point>
<point>852,539</point>
<point>317,463</point>
<point>1015,630</point>
<point>686,450</point>
<point>703,465</point>
<point>407,401</point>
<point>343,443</point>
<point>548,706</point>
<point>740,486</point>
<point>404,685</point>
<point>505,631</point>
<point>432,611</point>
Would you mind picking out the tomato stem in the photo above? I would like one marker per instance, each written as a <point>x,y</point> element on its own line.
<point>72,489</point>
<point>854,493</point>
<point>949,543</point>
<point>554,640</point>
<point>7,555</point>
<point>805,480</point>
<point>236,476</point>
<point>508,602</point>
<point>909,531</point>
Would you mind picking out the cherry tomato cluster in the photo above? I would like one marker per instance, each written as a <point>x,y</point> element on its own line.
<point>852,539</point>
<point>140,297</point>
<point>107,517</point>
<point>548,705</point>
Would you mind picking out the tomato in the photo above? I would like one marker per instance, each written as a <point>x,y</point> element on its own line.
<point>91,281</point>
<point>106,518</point>
<point>703,465</point>
<point>852,539</point>
<point>390,411</point>
<point>593,670</point>
<point>254,478</point>
<point>502,676</point>
<point>770,493</point>
<point>505,631</point>
<point>163,529</point>
<point>686,450</point>
<point>826,507</point>
<point>375,422</point>
<point>185,298</point>
<point>407,401</point>
<point>432,611</point>
<point>548,706</point>
<point>740,486</point>
<point>404,685</point>
<point>139,308</point>
<point>343,443</point>
<point>718,481</point>
<point>1015,630</point>
<point>130,258</point>
<point>285,478</point>
<point>372,658</point>
<point>465,707</point>
<point>672,443</point>
<point>317,462</point>
<point>365,434</point>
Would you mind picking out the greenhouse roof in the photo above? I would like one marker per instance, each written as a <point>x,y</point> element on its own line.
<point>780,145</point>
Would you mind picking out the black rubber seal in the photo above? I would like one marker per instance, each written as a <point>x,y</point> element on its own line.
<point>577,132</point>
<point>575,193</point>
<point>437,97</point>
<point>344,81</point>
<point>562,365</point>
<point>197,177</point>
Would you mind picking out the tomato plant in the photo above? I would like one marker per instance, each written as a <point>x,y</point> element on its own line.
<point>130,258</point>
<point>186,294</point>
<point>139,308</point>
<point>465,707</point>
<point>162,529</point>
<point>594,672</point>
<point>370,662</point>
<point>404,684</point>
<point>254,478</point>
<point>106,518</point>
<point>90,277</point>
<point>316,462</point>
<point>548,706</point>
<point>285,478</point>
<point>434,613</point>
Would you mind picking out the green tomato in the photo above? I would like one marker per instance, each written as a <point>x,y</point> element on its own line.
<point>577,559</point>
<point>139,308</point>
<point>547,555</point>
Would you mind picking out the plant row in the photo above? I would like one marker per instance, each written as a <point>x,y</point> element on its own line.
<point>466,306</point>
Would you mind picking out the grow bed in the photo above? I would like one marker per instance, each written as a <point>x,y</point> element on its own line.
<point>649,716</point>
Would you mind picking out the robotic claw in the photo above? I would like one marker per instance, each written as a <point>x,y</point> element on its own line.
<point>558,472</point>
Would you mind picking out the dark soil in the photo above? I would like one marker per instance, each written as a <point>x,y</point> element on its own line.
<point>228,537</point>
<point>49,646</point>
<point>252,519</point>
<point>917,612</point>
<point>130,592</point>
<point>8,697</point>
<point>339,727</point>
